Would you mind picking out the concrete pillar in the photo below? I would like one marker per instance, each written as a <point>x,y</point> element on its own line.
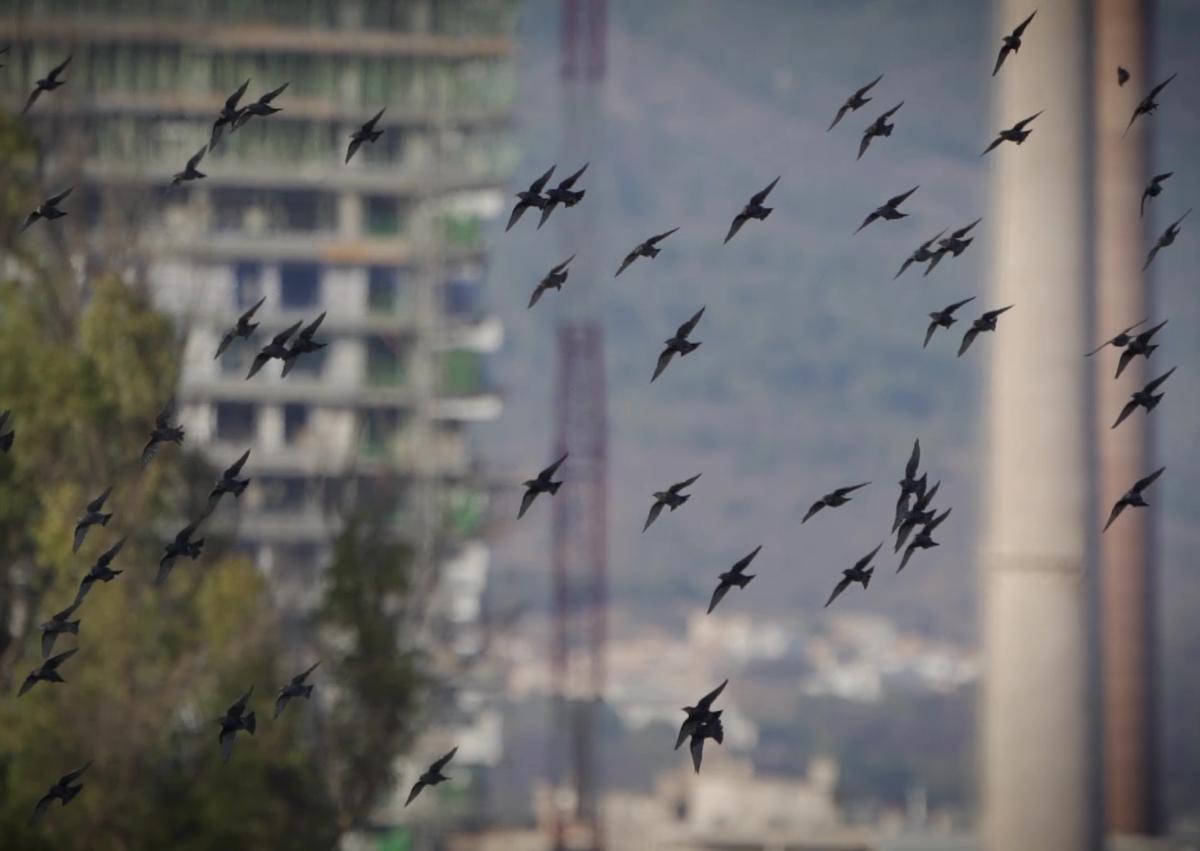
<point>1037,740</point>
<point>1125,550</point>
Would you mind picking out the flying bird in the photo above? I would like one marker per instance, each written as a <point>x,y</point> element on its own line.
<point>878,127</point>
<point>190,172</point>
<point>855,102</point>
<point>562,194</point>
<point>734,577</point>
<point>889,210</point>
<point>553,280</point>
<point>678,345</point>
<point>1148,104</point>
<point>229,483</point>
<point>859,573</point>
<point>304,344</point>
<point>242,329</point>
<point>699,714</point>
<point>672,498</point>
<point>163,432</point>
<point>6,438</point>
<point>1139,345</point>
<point>1167,238</point>
<point>48,672</point>
<point>918,515</point>
<point>47,84</point>
<point>987,322</point>
<point>753,210</point>
<point>924,539</point>
<point>649,248</point>
<point>261,107</point>
<point>48,209</point>
<point>1122,76</point>
<point>921,255</point>
<point>432,777</point>
<point>955,244</point>
<point>911,484</point>
<point>710,728</point>
<point>542,484</point>
<point>1120,341</point>
<point>297,687</point>
<point>366,133</point>
<point>1016,134</point>
<point>63,790</point>
<point>235,719</point>
<point>182,545</point>
<point>943,318</point>
<point>1144,398</point>
<point>1012,43</point>
<point>227,116</point>
<point>277,349</point>
<point>1133,497</point>
<point>93,515</point>
<point>101,571</point>
<point>531,197</point>
<point>833,499</point>
<point>56,626</point>
<point>1153,189</point>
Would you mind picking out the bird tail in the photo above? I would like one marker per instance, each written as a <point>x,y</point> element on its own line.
<point>554,486</point>
<point>238,487</point>
<point>375,136</point>
<point>867,574</point>
<point>688,347</point>
<point>574,199</point>
<point>72,627</point>
<point>251,723</point>
<point>1150,349</point>
<point>1154,400</point>
<point>70,792</point>
<point>744,580</point>
<point>308,691</point>
<point>962,246</point>
<point>6,441</point>
<point>767,211</point>
<point>177,437</point>
<point>653,252</point>
<point>104,518</point>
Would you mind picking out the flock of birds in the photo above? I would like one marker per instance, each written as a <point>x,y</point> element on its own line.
<point>914,512</point>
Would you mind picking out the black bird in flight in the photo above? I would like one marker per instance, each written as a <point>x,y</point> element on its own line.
<point>672,498</point>
<point>699,714</point>
<point>943,318</point>
<point>1167,238</point>
<point>296,688</point>
<point>229,483</point>
<point>432,777</point>
<point>678,345</point>
<point>905,499</point>
<point>955,244</point>
<point>1144,398</point>
<point>710,728</point>
<point>190,172</point>
<point>48,672</point>
<point>1133,497</point>
<point>304,344</point>
<point>1120,341</point>
<point>544,483</point>
<point>6,438</point>
<point>1122,76</point>
<point>48,83</point>
<point>911,484</point>
<point>562,194</point>
<point>1153,189</point>
<point>1148,104</point>
<point>93,515</point>
<point>889,210</point>
<point>918,515</point>
<point>859,573</point>
<point>833,499</point>
<point>101,571</point>
<point>924,539</point>
<point>235,718</point>
<point>63,790</point>
<point>1016,134</point>
<point>649,248</point>
<point>56,626</point>
<point>243,328</point>
<point>553,280</point>
<point>921,255</point>
<point>531,197</point>
<point>261,107</point>
<point>753,210</point>
<point>855,102</point>
<point>1012,43</point>
<point>182,545</point>
<point>733,577</point>
<point>878,127</point>
<point>987,322</point>
<point>366,133</point>
<point>48,209</point>
<point>227,116</point>
<point>1139,345</point>
<point>277,348</point>
<point>163,432</point>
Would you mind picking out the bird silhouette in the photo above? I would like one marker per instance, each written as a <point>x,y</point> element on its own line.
<point>296,687</point>
<point>276,349</point>
<point>1132,497</point>
<point>648,248</point>
<point>235,719</point>
<point>734,577</point>
<point>48,209</point>
<point>833,499</point>
<point>542,483</point>
<point>678,344</point>
<point>921,255</point>
<point>304,344</point>
<point>6,437</point>
<point>93,516</point>
<point>1017,134</point>
<point>101,571</point>
<point>163,432</point>
<point>229,483</point>
<point>367,134</point>
<point>227,116</point>
<point>190,172</point>
<point>1139,345</point>
<point>57,625</point>
<point>64,790</point>
<point>47,672</point>
<point>855,102</point>
<point>242,329</point>
<point>1012,42</point>
<point>553,280</point>
<point>531,197</point>
<point>562,194</point>
<point>943,318</point>
<point>1120,341</point>
<point>1148,104</point>
<point>878,127</point>
<point>47,84</point>
<point>431,777</point>
<point>181,545</point>
<point>672,498</point>
<point>923,540</point>
<point>1153,189</point>
<point>889,210</point>
<point>860,573</point>
<point>1167,238</point>
<point>986,322</point>
<point>753,210</point>
<point>1144,398</point>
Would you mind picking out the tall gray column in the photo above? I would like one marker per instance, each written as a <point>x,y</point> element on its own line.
<point>1036,749</point>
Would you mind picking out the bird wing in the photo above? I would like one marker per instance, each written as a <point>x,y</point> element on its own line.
<point>1141,484</point>
<point>840,114</point>
<point>226,738</point>
<point>1021,26</point>
<point>933,261</point>
<point>355,144</point>
<point>245,317</point>
<point>1004,51</point>
<point>963,231</point>
<point>933,326</point>
<point>570,181</point>
<point>967,340</point>
<point>98,503</point>
<point>301,677</point>
<point>561,266</point>
<point>813,509</point>
<point>149,450</point>
<point>274,93</point>
<point>706,702</point>
<point>1115,513</point>
<point>164,568</point>
<point>738,220</point>
<point>689,326</point>
<point>1150,257</point>
<point>284,335</point>
<point>761,195</point>
<point>659,237</point>
<point>897,200</point>
<point>1154,385</point>
<point>260,360</point>
<point>61,66</point>
<point>719,594</point>
<point>629,258</point>
<point>81,530</point>
<point>893,110</point>
<point>1126,358</point>
<point>108,555</point>
<point>65,613</point>
<point>239,705</point>
<point>850,488</point>
<point>870,218</point>
<point>1159,178</point>
<point>1142,206</point>
<point>1129,408</point>
<point>369,126</point>
<point>547,209</point>
<point>865,143</point>
<point>310,330</point>
<point>54,661</point>
<point>163,420</point>
<point>908,552</point>
<point>838,589</point>
<point>937,521</point>
<point>865,560</point>
<point>33,96</point>
<point>54,200</point>
<point>1174,224</point>
<point>76,774</point>
<point>679,486</point>
<point>697,748</point>
<point>48,639</point>
<point>43,804</point>
<point>539,184</point>
<point>416,790</point>
<point>663,360</point>
<point>744,561</point>
<point>1020,125</point>
<point>655,510</point>
<point>925,245</point>
<point>85,585</point>
<point>1154,91</point>
<point>867,87</point>
<point>549,472</point>
<point>526,501</point>
<point>196,157</point>
<point>536,295</point>
<point>515,216</point>
<point>231,102</point>
<point>914,460</point>
<point>992,314</point>
<point>236,466</point>
<point>995,144</point>
<point>1149,333</point>
<point>953,307</point>
<point>282,701</point>
<point>226,340</point>
<point>437,767</point>
<point>29,682</point>
<point>903,266</point>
